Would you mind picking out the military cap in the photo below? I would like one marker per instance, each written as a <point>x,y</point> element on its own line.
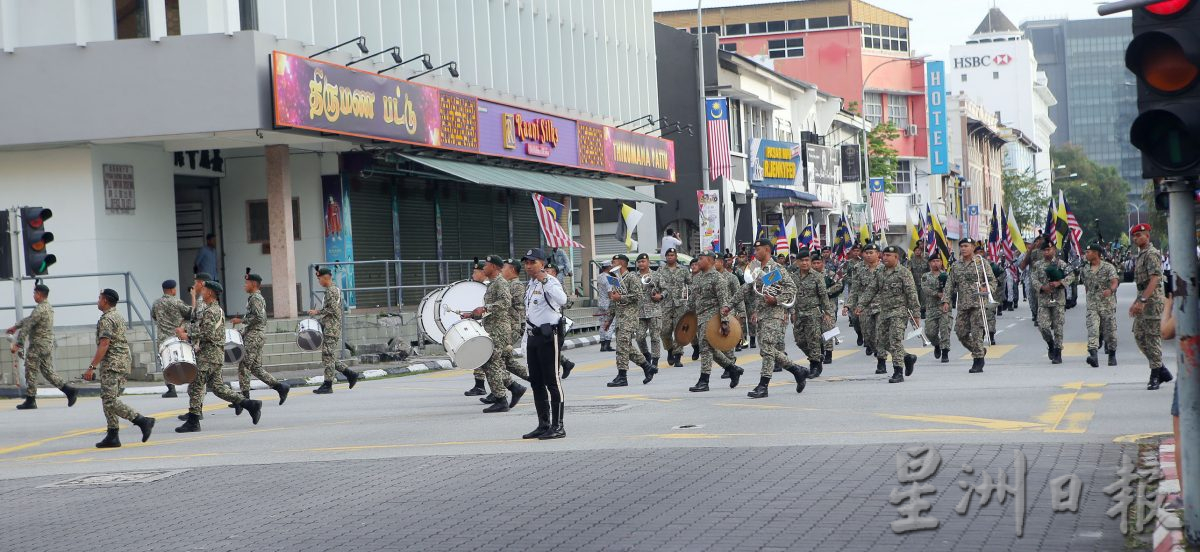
<point>707,253</point>
<point>42,289</point>
<point>763,242</point>
<point>214,285</point>
<point>512,262</point>
<point>111,295</point>
<point>816,255</point>
<point>1095,247</point>
<point>324,272</point>
<point>670,250</point>
<point>643,256</point>
<point>1049,244</point>
<point>856,246</point>
<point>870,247</point>
<point>728,254</point>
<point>534,254</point>
<point>254,278</point>
<point>476,264</point>
<point>169,284</point>
<point>203,276</point>
<point>966,241</point>
<point>1143,227</point>
<point>804,252</point>
<point>495,259</point>
<point>620,257</point>
<point>892,249</point>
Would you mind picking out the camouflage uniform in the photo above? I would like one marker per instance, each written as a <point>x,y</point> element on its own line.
<point>812,304</point>
<point>864,291</point>
<point>114,367</point>
<point>918,265</point>
<point>253,340</point>
<point>711,295</point>
<point>650,316</point>
<point>1051,306</point>
<point>832,290</point>
<point>498,325</point>
<point>1146,330</point>
<point>331,330</point>
<point>849,282</point>
<point>897,299</point>
<point>517,288</point>
<point>627,310</point>
<point>772,322</point>
<point>168,313</point>
<point>673,282</point>
<point>39,356</point>
<point>968,323</point>
<point>208,335</point>
<point>937,323</point>
<point>737,300</point>
<point>605,313</point>
<point>1101,310</point>
<point>997,297</point>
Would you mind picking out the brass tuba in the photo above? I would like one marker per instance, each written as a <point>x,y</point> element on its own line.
<point>753,271</point>
<point>774,290</point>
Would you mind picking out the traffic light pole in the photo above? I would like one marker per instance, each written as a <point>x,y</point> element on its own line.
<point>1181,227</point>
<point>14,237</point>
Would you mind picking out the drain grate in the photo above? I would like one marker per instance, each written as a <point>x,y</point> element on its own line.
<point>109,479</point>
<point>597,408</point>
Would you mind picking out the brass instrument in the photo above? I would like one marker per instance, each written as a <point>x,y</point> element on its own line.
<point>752,272</point>
<point>983,304</point>
<point>912,317</point>
<point>773,290</point>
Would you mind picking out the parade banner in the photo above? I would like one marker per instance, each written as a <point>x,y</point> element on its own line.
<point>710,219</point>
<point>339,241</point>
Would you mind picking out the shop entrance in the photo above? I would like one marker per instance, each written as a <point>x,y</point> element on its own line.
<point>197,214</point>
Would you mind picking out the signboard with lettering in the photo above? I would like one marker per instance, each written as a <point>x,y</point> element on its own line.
<point>119,195</point>
<point>851,163</point>
<point>824,165</point>
<point>775,163</point>
<point>935,98</point>
<point>511,132</point>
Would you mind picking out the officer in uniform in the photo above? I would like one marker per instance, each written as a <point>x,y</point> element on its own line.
<point>604,310</point>
<point>330,314</point>
<point>737,299</point>
<point>193,314</point>
<point>511,271</point>
<point>168,313</point>
<point>1146,310</point>
<point>38,329</point>
<point>497,304</point>
<point>674,279</point>
<point>115,363</point>
<point>937,323</point>
<point>477,275</point>
<point>853,264</point>
<point>650,311</point>
<point>626,301</point>
<point>693,291</point>
<point>918,266</point>
<point>811,310</point>
<point>1050,277</point>
<point>544,301</point>
<point>865,305</point>
<point>1100,281</point>
<point>712,296</point>
<point>833,290</point>
<point>771,316</point>
<point>209,331</point>
<point>897,298</point>
<point>969,279</point>
<point>253,339</point>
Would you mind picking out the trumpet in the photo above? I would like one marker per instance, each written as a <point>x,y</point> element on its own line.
<point>774,290</point>
<point>983,304</point>
<point>912,317</point>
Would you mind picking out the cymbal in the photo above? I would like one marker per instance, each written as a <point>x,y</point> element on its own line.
<point>685,329</point>
<point>723,342</point>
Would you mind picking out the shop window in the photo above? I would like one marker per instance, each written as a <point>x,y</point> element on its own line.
<point>785,48</point>
<point>258,229</point>
<point>735,29</point>
<point>131,19</point>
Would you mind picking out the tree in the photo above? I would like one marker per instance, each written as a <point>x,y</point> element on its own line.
<point>881,156</point>
<point>1024,193</point>
<point>1096,194</point>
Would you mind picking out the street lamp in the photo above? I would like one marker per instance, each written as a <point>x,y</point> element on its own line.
<point>1137,211</point>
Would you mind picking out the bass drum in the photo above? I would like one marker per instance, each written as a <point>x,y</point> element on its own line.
<point>463,296</point>
<point>178,361</point>
<point>427,317</point>
<point>309,335</point>
<point>235,349</point>
<point>468,344</point>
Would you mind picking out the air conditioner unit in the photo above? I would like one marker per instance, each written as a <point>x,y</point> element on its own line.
<point>911,130</point>
<point>914,200</point>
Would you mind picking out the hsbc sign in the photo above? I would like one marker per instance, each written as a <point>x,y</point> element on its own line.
<point>982,61</point>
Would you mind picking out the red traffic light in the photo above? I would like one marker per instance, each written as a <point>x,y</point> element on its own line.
<point>1168,7</point>
<point>41,216</point>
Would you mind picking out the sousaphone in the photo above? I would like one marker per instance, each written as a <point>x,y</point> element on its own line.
<point>723,342</point>
<point>685,329</point>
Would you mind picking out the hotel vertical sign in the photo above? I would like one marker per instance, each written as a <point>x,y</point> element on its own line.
<point>935,90</point>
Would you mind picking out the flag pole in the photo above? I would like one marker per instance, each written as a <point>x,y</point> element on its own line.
<point>704,168</point>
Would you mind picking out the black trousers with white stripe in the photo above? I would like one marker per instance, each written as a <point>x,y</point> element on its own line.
<point>544,373</point>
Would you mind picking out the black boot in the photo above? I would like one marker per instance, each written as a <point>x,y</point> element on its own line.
<point>351,376</point>
<point>647,357</point>
<point>1092,360</point>
<point>725,373</point>
<point>1049,351</point>
<point>325,388</point>
<point>828,357</point>
<point>695,353</point>
<point>237,410</point>
<point>814,369</point>
<point>183,417</point>
<point>1154,381</point>
<point>170,394</point>
<point>1056,356</point>
<point>869,351</point>
<point>556,431</point>
<point>515,391</point>
<point>648,370</point>
<point>880,366</point>
<point>654,362</point>
<point>567,366</point>
<point>146,425</point>
<point>754,343</point>
<point>498,406</point>
<point>1112,358</point>
<point>678,360</point>
<point>860,337</point>
<point>735,375</point>
<point>490,398</point>
<point>191,424</point>
<point>71,394</point>
<point>992,336</point>
<point>910,362</point>
<point>760,390</point>
<point>282,389</point>
<point>474,391</point>
<point>620,380</point>
<point>897,375</point>
<point>976,366</point>
<point>1164,375</point>
<point>29,404</point>
<point>801,376</point>
<point>254,408</point>
<point>937,352</point>
<point>701,385</point>
<point>778,367</point>
<point>543,414</point>
<point>945,355</point>
<point>111,440</point>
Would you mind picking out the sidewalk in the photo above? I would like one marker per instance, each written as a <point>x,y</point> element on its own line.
<point>1168,528</point>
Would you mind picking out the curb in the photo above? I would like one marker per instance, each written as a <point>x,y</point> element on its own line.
<point>1168,528</point>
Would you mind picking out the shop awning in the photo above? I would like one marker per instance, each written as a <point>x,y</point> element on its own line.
<point>775,192</point>
<point>533,181</point>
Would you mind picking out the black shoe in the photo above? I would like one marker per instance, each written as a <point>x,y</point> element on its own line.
<point>937,352</point>
<point>477,390</point>
<point>1050,352</point>
<point>71,394</point>
<point>537,432</point>
<point>880,366</point>
<point>170,394</point>
<point>1154,381</point>
<point>489,399</point>
<point>1056,356</point>
<point>976,366</point>
<point>777,368</point>
<point>1092,360</point>
<point>869,351</point>
<point>815,369</point>
<point>801,376</point>
<point>910,362</point>
<point>183,417</point>
<point>647,357</point>
<point>111,440</point>
<point>828,357</point>
<point>701,385</point>
<point>860,340</point>
<point>146,425</point>
<point>1164,375</point>
<point>282,389</point>
<point>1112,358</point>
<point>725,374</point>
<point>897,375</point>
<point>254,408</point>
<point>945,356</point>
<point>543,414</point>
<point>516,391</point>
<point>760,390</point>
<point>556,430</point>
<point>498,406</point>
<point>567,366</point>
<point>754,342</point>
<point>648,371</point>
<point>191,424</point>
<point>992,336</point>
<point>237,407</point>
<point>29,404</point>
<point>654,362</point>
<point>619,381</point>
<point>325,388</point>
<point>351,376</point>
<point>738,348</point>
<point>735,375</point>
<point>695,353</point>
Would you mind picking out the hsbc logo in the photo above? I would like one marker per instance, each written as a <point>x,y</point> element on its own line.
<point>982,61</point>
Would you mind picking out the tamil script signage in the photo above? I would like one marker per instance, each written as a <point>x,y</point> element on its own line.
<point>330,98</point>
<point>776,163</point>
<point>935,98</point>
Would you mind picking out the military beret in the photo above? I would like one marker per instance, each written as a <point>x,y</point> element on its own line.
<point>1095,247</point>
<point>495,259</point>
<point>513,263</point>
<point>169,284</point>
<point>934,258</point>
<point>203,276</point>
<point>816,255</point>
<point>214,285</point>
<point>728,254</point>
<point>254,278</point>
<point>693,261</point>
<point>892,249</point>
<point>708,253</point>
<point>1143,227</point>
<point>966,241</point>
<point>111,295</point>
<point>766,243</point>
<point>324,272</point>
<point>620,257</point>
<point>825,249</point>
<point>671,250</point>
<point>550,266</point>
<point>42,289</point>
<point>804,252</point>
<point>477,264</point>
<point>1048,244</point>
<point>870,247</point>
<point>856,246</point>
<point>642,256</point>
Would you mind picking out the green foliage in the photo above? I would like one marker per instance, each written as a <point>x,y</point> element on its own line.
<point>1096,195</point>
<point>882,157</point>
<point>1024,193</point>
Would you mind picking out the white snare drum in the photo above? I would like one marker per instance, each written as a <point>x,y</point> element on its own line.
<point>463,296</point>
<point>468,345</point>
<point>235,349</point>
<point>309,335</point>
<point>427,320</point>
<point>178,361</point>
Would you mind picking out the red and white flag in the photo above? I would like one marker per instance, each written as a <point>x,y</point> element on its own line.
<point>548,214</point>
<point>717,110</point>
<point>878,203</point>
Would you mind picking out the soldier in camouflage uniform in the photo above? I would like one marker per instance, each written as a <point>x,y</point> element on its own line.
<point>725,267</point>
<point>193,314</point>
<point>833,289</point>
<point>209,333</point>
<point>330,314</point>
<point>897,298</point>
<point>964,281</point>
<point>693,292</point>
<point>918,265</point>
<point>1051,300</point>
<point>711,296</point>
<point>674,279</point>
<point>626,300</point>
<point>937,323</point>
<point>771,316</point>
<point>650,311</point>
<point>497,304</point>
<point>480,377</point>
<point>38,330</point>
<point>812,310</point>
<point>1146,310</point>
<point>115,363</point>
<point>168,313</point>
<point>604,311</point>
<point>1100,281</point>
<point>853,264</point>
<point>253,339</point>
<point>865,305</point>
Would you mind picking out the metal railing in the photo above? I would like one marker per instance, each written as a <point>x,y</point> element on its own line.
<point>397,277</point>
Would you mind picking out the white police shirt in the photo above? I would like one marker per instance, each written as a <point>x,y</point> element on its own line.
<point>543,302</point>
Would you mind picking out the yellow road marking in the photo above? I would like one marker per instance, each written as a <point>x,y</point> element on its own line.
<point>1135,437</point>
<point>993,352</point>
<point>1058,416</point>
<point>986,423</point>
<point>1075,349</point>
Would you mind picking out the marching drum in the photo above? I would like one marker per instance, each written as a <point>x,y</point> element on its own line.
<point>234,348</point>
<point>178,361</point>
<point>308,335</point>
<point>468,345</point>
<point>463,296</point>
<point>427,319</point>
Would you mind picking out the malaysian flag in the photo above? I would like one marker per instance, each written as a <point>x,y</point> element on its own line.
<point>717,110</point>
<point>878,206</point>
<point>1076,231</point>
<point>548,213</point>
<point>1008,247</point>
<point>993,244</point>
<point>843,239</point>
<point>781,242</point>
<point>930,237</point>
<point>973,221</point>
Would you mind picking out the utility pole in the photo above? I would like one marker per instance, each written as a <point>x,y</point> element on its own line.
<point>14,236</point>
<point>1181,227</point>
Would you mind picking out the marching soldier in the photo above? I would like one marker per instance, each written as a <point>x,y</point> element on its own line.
<point>498,305</point>
<point>812,310</point>
<point>253,340</point>
<point>712,296</point>
<point>477,275</point>
<point>969,279</point>
<point>626,299</point>
<point>918,266</point>
<point>650,315</point>
<point>897,298</point>
<point>168,313</point>
<point>726,270</point>
<point>1100,280</point>
<point>693,291</point>
<point>209,331</point>
<point>937,323</point>
<point>192,314</point>
<point>674,279</point>
<point>604,309</point>
<point>853,264</point>
<point>771,317</point>
<point>330,314</point>
<point>115,363</point>
<point>38,329</point>
<point>833,289</point>
<point>865,305</point>
<point>1050,277</point>
<point>1146,310</point>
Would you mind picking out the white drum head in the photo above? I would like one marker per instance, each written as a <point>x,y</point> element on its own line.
<point>428,319</point>
<point>463,296</point>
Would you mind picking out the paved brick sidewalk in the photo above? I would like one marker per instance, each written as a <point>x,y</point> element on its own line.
<point>769,498</point>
